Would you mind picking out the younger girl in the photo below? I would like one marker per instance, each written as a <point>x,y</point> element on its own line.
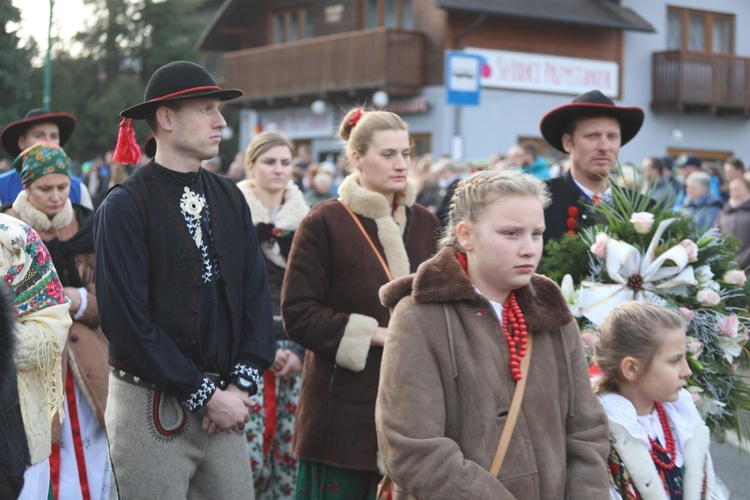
<point>659,444</point>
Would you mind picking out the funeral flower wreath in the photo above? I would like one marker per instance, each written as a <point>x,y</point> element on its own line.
<point>636,252</point>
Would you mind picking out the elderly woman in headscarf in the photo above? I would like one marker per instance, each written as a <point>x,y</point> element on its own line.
<point>67,231</point>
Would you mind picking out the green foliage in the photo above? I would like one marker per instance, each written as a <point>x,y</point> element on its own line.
<point>718,349</point>
<point>558,262</point>
<point>121,46</point>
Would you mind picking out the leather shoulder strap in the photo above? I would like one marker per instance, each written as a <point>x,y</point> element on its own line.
<point>515,407</point>
<point>369,240</point>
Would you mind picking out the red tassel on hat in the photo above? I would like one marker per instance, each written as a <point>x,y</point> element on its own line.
<point>127,151</point>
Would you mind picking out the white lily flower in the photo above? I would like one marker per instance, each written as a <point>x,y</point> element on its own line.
<point>572,296</point>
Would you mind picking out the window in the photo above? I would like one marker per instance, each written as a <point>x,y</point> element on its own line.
<point>291,25</point>
<point>389,13</point>
<point>700,31</point>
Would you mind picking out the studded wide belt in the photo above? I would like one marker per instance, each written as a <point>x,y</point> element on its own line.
<point>126,376</point>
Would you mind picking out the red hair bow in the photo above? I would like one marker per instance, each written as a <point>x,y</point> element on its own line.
<point>355,117</point>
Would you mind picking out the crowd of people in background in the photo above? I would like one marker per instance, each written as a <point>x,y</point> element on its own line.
<point>715,192</point>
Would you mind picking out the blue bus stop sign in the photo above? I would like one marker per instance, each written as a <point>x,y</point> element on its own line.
<point>462,78</point>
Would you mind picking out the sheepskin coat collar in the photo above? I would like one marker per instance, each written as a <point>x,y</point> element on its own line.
<point>38,219</point>
<point>292,211</point>
<point>391,227</point>
<point>442,279</point>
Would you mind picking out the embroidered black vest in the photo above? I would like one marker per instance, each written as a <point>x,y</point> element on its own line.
<point>175,262</point>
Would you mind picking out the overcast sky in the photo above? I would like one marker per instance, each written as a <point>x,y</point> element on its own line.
<point>69,16</point>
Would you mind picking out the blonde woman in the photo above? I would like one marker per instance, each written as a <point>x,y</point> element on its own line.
<point>277,207</point>
<point>330,304</point>
<point>445,393</point>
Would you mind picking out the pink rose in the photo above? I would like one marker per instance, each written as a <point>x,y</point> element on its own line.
<point>588,338</point>
<point>694,347</point>
<point>696,398</point>
<point>599,248</point>
<point>692,249</point>
<point>708,297</point>
<point>735,277</point>
<point>642,222</point>
<point>689,315</point>
<point>729,326</point>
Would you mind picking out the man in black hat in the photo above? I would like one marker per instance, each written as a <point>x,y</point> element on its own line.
<point>183,298</point>
<point>591,130</point>
<point>39,125</point>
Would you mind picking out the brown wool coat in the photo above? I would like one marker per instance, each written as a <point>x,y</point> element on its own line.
<point>330,306</point>
<point>438,434</point>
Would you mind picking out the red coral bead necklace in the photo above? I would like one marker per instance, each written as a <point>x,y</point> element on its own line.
<point>671,450</point>
<point>512,316</point>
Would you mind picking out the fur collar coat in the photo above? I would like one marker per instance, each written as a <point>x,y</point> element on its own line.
<point>330,306</point>
<point>445,393</point>
<point>287,218</point>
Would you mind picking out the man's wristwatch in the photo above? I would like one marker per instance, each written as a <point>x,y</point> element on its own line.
<point>246,384</point>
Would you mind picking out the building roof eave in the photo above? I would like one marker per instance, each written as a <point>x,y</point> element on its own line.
<point>207,40</point>
<point>596,13</point>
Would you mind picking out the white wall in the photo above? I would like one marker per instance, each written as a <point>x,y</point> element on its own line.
<point>702,131</point>
<point>503,116</point>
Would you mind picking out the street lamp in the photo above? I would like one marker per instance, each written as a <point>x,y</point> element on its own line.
<point>318,107</point>
<point>380,98</point>
<point>47,99</point>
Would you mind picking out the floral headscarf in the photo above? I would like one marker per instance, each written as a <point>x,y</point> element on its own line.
<point>42,159</point>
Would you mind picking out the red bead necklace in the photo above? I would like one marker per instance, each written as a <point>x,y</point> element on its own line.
<point>671,449</point>
<point>512,316</point>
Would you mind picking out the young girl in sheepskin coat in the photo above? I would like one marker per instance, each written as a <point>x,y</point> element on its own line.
<point>460,327</point>
<point>659,443</point>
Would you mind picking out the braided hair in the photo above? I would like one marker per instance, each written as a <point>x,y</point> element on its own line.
<point>475,193</point>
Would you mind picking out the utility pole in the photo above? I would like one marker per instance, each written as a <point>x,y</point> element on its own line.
<point>47,99</point>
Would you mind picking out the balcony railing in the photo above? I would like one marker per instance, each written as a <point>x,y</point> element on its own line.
<point>391,60</point>
<point>719,83</point>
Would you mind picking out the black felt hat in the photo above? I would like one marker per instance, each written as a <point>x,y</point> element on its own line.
<point>555,122</point>
<point>10,134</point>
<point>176,81</point>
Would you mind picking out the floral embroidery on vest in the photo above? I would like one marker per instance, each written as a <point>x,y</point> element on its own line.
<point>192,205</point>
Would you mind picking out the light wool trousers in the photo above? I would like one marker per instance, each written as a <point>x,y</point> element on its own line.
<point>159,449</point>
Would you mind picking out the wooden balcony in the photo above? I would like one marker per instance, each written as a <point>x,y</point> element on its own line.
<point>698,81</point>
<point>377,59</point>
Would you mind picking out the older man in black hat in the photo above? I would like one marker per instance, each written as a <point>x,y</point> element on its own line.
<point>591,130</point>
<point>39,125</point>
<point>183,300</point>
